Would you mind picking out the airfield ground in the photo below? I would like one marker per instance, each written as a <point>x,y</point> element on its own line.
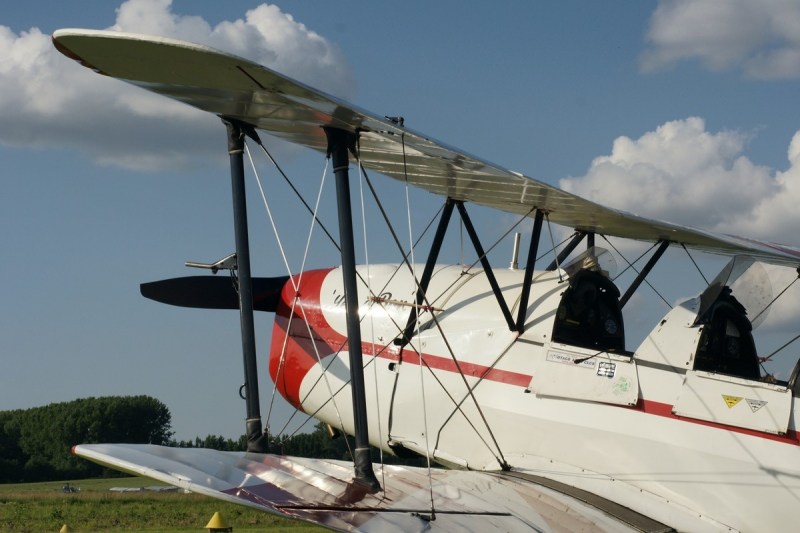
<point>45,507</point>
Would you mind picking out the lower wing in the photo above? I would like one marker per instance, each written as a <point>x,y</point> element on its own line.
<point>321,491</point>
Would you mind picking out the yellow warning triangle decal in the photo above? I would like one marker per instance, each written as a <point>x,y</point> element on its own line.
<point>730,401</point>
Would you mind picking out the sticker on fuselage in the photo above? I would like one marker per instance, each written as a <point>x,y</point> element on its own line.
<point>568,359</point>
<point>731,401</point>
<point>606,369</point>
<point>622,386</point>
<point>755,405</point>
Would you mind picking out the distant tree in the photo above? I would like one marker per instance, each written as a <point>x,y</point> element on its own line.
<point>213,442</point>
<point>12,460</point>
<point>317,444</point>
<point>35,444</point>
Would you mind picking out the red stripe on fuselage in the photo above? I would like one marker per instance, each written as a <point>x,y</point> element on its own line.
<point>664,409</point>
<point>294,350</point>
<point>301,349</point>
<point>449,364</point>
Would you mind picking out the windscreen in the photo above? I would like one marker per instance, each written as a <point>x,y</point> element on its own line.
<point>749,284</point>
<point>592,259</point>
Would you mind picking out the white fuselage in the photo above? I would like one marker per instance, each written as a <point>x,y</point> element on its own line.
<point>642,429</point>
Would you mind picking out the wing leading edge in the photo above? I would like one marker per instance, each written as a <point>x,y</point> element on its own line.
<point>230,86</point>
<point>320,491</point>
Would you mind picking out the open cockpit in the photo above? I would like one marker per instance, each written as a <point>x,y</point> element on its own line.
<point>589,314</point>
<point>726,344</point>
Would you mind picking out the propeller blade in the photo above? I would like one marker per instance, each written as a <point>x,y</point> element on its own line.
<point>212,292</point>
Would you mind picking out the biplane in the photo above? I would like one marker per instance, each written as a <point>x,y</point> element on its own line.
<point>519,381</point>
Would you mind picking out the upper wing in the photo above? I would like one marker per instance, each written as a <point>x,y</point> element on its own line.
<point>319,491</point>
<point>237,88</point>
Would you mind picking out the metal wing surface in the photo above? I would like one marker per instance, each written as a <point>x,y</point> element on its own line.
<point>320,491</point>
<point>230,86</point>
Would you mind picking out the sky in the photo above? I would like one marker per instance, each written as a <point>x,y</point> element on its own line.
<point>677,110</point>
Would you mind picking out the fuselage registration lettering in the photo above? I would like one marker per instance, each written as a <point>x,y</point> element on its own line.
<point>568,359</point>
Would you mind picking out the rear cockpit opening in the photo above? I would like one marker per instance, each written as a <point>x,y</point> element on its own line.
<point>731,307</point>
<point>726,345</point>
<point>794,382</point>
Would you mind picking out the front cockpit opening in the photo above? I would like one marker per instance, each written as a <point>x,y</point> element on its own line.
<point>589,314</point>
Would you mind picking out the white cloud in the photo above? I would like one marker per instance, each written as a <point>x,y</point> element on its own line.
<point>683,173</point>
<point>760,38</point>
<point>49,100</point>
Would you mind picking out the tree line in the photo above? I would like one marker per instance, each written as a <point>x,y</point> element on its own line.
<point>317,444</point>
<point>36,444</point>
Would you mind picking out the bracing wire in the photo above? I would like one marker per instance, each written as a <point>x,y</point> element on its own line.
<point>269,211</point>
<point>555,247</point>
<point>631,263</point>
<point>767,358</point>
<point>553,242</point>
<point>694,263</point>
<point>396,325</point>
<point>371,315</point>
<point>501,459</point>
<point>406,255</point>
<point>288,269</point>
<point>295,284</point>
<point>379,205</point>
<point>461,240</point>
<point>313,212</point>
<point>408,204</point>
<point>428,303</point>
<point>416,283</point>
<point>383,348</point>
<point>774,299</point>
<point>634,269</point>
<point>399,328</point>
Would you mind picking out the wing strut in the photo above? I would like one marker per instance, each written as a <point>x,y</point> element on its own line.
<point>433,255</point>
<point>340,142</point>
<point>522,312</point>
<point>643,274</point>
<point>487,268</point>
<point>571,245</point>
<point>256,439</point>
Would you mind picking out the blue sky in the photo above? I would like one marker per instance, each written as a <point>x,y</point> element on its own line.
<point>683,111</point>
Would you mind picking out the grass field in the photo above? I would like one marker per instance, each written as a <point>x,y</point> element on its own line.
<point>44,507</point>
